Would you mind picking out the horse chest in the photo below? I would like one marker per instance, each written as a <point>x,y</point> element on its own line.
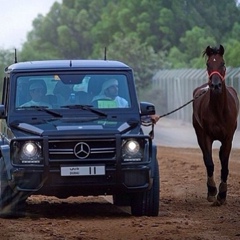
<point>216,129</point>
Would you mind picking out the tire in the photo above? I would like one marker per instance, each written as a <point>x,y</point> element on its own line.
<point>147,203</point>
<point>121,199</point>
<point>12,203</point>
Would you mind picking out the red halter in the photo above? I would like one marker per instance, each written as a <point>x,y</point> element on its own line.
<point>216,72</point>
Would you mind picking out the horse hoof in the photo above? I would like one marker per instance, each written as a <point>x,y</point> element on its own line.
<point>219,202</point>
<point>211,198</point>
<point>216,203</point>
<point>222,201</point>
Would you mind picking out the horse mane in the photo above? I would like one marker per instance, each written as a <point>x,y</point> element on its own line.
<point>209,51</point>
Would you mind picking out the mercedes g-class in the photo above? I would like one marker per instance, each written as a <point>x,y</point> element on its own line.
<point>74,128</point>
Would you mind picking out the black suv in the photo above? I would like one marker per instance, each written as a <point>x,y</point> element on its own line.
<point>74,127</point>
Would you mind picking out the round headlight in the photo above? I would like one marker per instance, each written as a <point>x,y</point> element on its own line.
<point>30,149</point>
<point>132,147</point>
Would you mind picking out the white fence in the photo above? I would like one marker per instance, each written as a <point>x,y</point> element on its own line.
<point>178,85</point>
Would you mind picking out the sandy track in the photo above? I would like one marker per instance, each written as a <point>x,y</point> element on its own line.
<point>184,211</point>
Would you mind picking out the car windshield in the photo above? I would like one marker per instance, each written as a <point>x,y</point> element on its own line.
<point>60,90</point>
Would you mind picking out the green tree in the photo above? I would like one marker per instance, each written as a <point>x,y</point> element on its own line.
<point>232,47</point>
<point>232,53</point>
<point>6,58</point>
<point>193,42</point>
<point>82,28</point>
<point>217,17</point>
<point>42,41</point>
<point>142,58</point>
<point>65,32</point>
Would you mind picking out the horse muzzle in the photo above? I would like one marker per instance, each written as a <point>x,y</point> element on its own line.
<point>215,84</point>
<point>216,87</point>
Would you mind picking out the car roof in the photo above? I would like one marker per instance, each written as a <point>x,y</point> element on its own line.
<point>67,65</point>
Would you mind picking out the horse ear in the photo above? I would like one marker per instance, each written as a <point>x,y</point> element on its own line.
<point>208,51</point>
<point>221,50</point>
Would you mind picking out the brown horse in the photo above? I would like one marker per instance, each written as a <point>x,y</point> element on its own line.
<point>215,112</point>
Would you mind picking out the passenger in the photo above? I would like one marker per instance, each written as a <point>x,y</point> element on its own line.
<point>110,91</point>
<point>63,93</point>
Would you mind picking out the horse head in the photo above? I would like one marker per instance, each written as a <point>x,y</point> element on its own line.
<point>215,68</point>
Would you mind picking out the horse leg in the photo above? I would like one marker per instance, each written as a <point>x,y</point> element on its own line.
<point>224,154</point>
<point>212,189</point>
<point>206,148</point>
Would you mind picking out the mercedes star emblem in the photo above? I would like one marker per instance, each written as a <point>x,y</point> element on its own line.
<point>82,150</point>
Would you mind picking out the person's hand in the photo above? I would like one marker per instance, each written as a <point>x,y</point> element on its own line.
<point>155,118</point>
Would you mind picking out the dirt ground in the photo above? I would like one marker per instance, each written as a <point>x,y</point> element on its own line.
<point>184,211</point>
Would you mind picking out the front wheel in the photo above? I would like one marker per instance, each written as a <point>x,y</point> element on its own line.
<point>147,203</point>
<point>12,203</point>
<point>121,199</point>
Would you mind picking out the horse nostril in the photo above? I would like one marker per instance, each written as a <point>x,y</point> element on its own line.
<point>216,86</point>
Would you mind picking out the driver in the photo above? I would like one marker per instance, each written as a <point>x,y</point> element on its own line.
<point>37,95</point>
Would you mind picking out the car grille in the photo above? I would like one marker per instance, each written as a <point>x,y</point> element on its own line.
<point>87,149</point>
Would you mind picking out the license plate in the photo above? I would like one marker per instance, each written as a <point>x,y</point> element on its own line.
<point>83,171</point>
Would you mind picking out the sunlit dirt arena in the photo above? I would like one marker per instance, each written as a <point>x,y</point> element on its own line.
<point>184,210</point>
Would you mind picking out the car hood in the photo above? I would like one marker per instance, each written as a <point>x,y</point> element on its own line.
<point>71,127</point>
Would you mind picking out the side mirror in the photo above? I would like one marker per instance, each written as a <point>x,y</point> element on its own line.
<point>147,109</point>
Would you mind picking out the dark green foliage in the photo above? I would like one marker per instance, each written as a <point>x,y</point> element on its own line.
<point>6,58</point>
<point>146,34</point>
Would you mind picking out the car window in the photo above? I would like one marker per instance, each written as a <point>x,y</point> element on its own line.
<point>56,91</point>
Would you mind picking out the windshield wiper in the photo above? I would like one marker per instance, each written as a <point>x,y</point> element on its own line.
<point>44,109</point>
<point>85,107</point>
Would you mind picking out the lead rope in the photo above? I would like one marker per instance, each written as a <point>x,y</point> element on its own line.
<point>154,121</point>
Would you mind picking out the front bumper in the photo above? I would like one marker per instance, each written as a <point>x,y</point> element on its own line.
<point>119,176</point>
<point>50,182</point>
